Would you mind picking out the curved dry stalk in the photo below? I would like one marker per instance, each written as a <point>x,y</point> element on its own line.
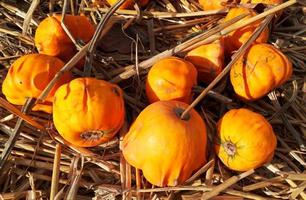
<point>97,36</point>
<point>63,25</point>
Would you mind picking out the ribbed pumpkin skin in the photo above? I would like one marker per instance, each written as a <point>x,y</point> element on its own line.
<point>128,4</point>
<point>29,75</point>
<point>252,136</point>
<point>166,148</point>
<point>259,70</point>
<point>235,39</point>
<point>171,79</point>
<point>212,4</point>
<point>51,39</point>
<point>208,59</point>
<point>88,112</point>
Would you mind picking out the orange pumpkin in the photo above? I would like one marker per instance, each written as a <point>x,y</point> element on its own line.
<point>88,112</point>
<point>208,59</point>
<point>235,39</point>
<point>261,69</point>
<point>128,4</point>
<point>51,39</point>
<point>29,75</point>
<point>213,4</point>
<point>245,140</point>
<point>267,2</point>
<point>171,79</point>
<point>165,147</point>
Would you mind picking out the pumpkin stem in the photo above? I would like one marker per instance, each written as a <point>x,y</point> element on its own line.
<point>179,111</point>
<point>230,148</point>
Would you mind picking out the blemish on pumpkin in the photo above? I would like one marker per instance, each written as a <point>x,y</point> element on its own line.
<point>95,134</point>
<point>92,135</point>
<point>115,90</point>
<point>230,148</point>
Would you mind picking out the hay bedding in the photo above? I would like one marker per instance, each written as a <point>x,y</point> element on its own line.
<point>101,172</point>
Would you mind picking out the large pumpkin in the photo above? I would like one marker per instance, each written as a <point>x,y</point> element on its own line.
<point>165,147</point>
<point>208,59</point>
<point>88,112</point>
<point>245,140</point>
<point>213,4</point>
<point>235,39</point>
<point>128,4</point>
<point>261,69</point>
<point>171,79</point>
<point>51,39</point>
<point>29,75</point>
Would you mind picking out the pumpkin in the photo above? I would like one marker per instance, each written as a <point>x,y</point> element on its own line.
<point>208,59</point>
<point>235,39</point>
<point>213,4</point>
<point>88,112</point>
<point>267,2</point>
<point>51,39</point>
<point>245,140</point>
<point>171,79</point>
<point>128,4</point>
<point>261,69</point>
<point>29,75</point>
<point>165,147</point>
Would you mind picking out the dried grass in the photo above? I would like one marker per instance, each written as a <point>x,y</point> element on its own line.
<point>42,165</point>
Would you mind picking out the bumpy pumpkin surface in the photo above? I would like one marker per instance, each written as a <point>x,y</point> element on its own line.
<point>261,69</point>
<point>51,39</point>
<point>128,4</point>
<point>245,140</point>
<point>208,59</point>
<point>29,75</point>
<point>235,39</point>
<point>165,147</point>
<point>171,79</point>
<point>88,112</point>
<point>212,4</point>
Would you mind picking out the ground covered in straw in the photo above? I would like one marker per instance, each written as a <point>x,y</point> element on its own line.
<point>101,172</point>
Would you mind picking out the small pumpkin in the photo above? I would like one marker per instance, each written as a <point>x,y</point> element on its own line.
<point>235,39</point>
<point>128,4</point>
<point>171,79</point>
<point>261,69</point>
<point>213,4</point>
<point>208,59</point>
<point>88,112</point>
<point>29,75</point>
<point>245,140</point>
<point>267,2</point>
<point>165,147</point>
<point>51,39</point>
